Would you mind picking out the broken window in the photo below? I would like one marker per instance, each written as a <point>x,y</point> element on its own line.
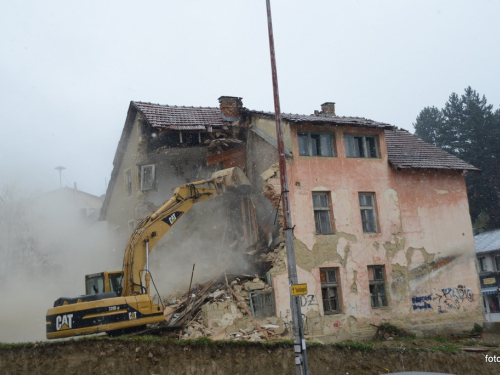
<point>321,206</point>
<point>482,264</point>
<point>360,146</point>
<point>128,181</point>
<point>262,303</point>
<point>330,290</point>
<point>316,144</point>
<point>376,277</point>
<point>368,217</point>
<point>147,177</point>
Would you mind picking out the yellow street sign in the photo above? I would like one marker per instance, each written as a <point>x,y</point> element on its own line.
<point>491,280</point>
<point>299,289</point>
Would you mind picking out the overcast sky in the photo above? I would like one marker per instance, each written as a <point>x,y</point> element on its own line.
<point>68,69</point>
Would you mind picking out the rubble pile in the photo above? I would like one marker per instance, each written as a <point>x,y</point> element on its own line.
<point>221,309</point>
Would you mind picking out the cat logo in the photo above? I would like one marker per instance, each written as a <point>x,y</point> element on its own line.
<point>64,322</point>
<point>172,218</point>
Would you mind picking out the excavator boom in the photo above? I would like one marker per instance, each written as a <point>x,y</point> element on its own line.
<point>107,307</point>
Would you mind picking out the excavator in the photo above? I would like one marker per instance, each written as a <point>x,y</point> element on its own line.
<point>120,301</point>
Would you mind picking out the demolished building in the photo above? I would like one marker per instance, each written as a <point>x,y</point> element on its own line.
<point>382,227</point>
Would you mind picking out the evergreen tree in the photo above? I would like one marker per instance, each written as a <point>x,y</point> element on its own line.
<point>468,128</point>
<point>429,123</point>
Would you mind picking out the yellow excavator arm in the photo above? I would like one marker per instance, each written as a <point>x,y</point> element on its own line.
<point>106,310</point>
<point>153,227</point>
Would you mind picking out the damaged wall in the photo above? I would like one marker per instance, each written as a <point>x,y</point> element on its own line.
<point>424,241</point>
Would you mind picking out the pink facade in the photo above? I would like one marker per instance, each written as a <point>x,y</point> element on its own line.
<point>423,240</point>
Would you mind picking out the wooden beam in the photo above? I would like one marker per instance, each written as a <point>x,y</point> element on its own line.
<point>235,153</point>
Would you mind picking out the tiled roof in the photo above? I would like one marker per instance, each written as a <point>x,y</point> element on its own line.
<point>487,241</point>
<point>180,118</point>
<point>321,119</point>
<point>405,150</point>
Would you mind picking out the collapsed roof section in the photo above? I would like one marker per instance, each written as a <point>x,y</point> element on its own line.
<point>180,118</point>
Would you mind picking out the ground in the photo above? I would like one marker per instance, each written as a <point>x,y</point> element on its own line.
<point>150,355</point>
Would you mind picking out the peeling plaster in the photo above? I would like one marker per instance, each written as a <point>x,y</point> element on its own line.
<point>324,250</point>
<point>441,191</point>
<point>392,248</point>
<point>354,286</point>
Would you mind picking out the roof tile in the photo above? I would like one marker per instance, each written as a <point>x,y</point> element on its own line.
<point>404,150</point>
<point>180,118</point>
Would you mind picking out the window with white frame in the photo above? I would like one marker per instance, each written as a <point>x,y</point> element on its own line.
<point>497,262</point>
<point>482,264</point>
<point>128,181</point>
<point>330,290</point>
<point>368,214</point>
<point>316,144</point>
<point>360,146</point>
<point>376,278</point>
<point>322,215</point>
<point>147,177</point>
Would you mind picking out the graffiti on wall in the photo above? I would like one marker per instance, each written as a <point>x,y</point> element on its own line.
<point>444,300</point>
<point>421,303</point>
<point>308,300</point>
<point>455,296</point>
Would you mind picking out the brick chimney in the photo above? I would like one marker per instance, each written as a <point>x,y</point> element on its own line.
<point>328,109</point>
<point>230,107</point>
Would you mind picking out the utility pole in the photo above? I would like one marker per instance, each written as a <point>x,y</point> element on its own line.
<point>298,331</point>
<point>60,169</point>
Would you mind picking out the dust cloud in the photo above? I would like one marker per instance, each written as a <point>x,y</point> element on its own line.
<point>211,236</point>
<point>47,245</point>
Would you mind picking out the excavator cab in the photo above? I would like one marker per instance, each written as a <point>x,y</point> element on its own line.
<point>104,282</point>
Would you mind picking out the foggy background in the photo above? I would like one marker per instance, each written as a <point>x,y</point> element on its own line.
<point>68,71</point>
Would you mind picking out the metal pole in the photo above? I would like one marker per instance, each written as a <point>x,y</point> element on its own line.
<point>298,331</point>
<point>147,255</point>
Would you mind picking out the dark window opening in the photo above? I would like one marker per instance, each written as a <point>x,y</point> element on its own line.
<point>316,144</point>
<point>368,216</point>
<point>376,277</point>
<point>360,146</point>
<point>321,206</point>
<point>330,290</point>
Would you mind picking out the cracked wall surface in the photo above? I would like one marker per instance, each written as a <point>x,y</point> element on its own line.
<point>424,242</point>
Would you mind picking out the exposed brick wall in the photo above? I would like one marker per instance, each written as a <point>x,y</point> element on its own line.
<point>230,106</point>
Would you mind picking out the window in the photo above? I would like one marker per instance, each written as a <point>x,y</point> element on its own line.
<point>482,264</point>
<point>360,146</point>
<point>128,181</point>
<point>316,144</point>
<point>376,277</point>
<point>262,303</point>
<point>321,208</point>
<point>497,262</point>
<point>330,290</point>
<point>368,217</point>
<point>147,177</point>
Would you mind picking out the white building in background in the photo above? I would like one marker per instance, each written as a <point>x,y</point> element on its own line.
<point>488,263</point>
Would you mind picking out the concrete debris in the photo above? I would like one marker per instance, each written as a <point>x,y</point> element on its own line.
<point>221,311</point>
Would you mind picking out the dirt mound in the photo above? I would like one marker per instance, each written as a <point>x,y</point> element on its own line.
<point>166,357</point>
